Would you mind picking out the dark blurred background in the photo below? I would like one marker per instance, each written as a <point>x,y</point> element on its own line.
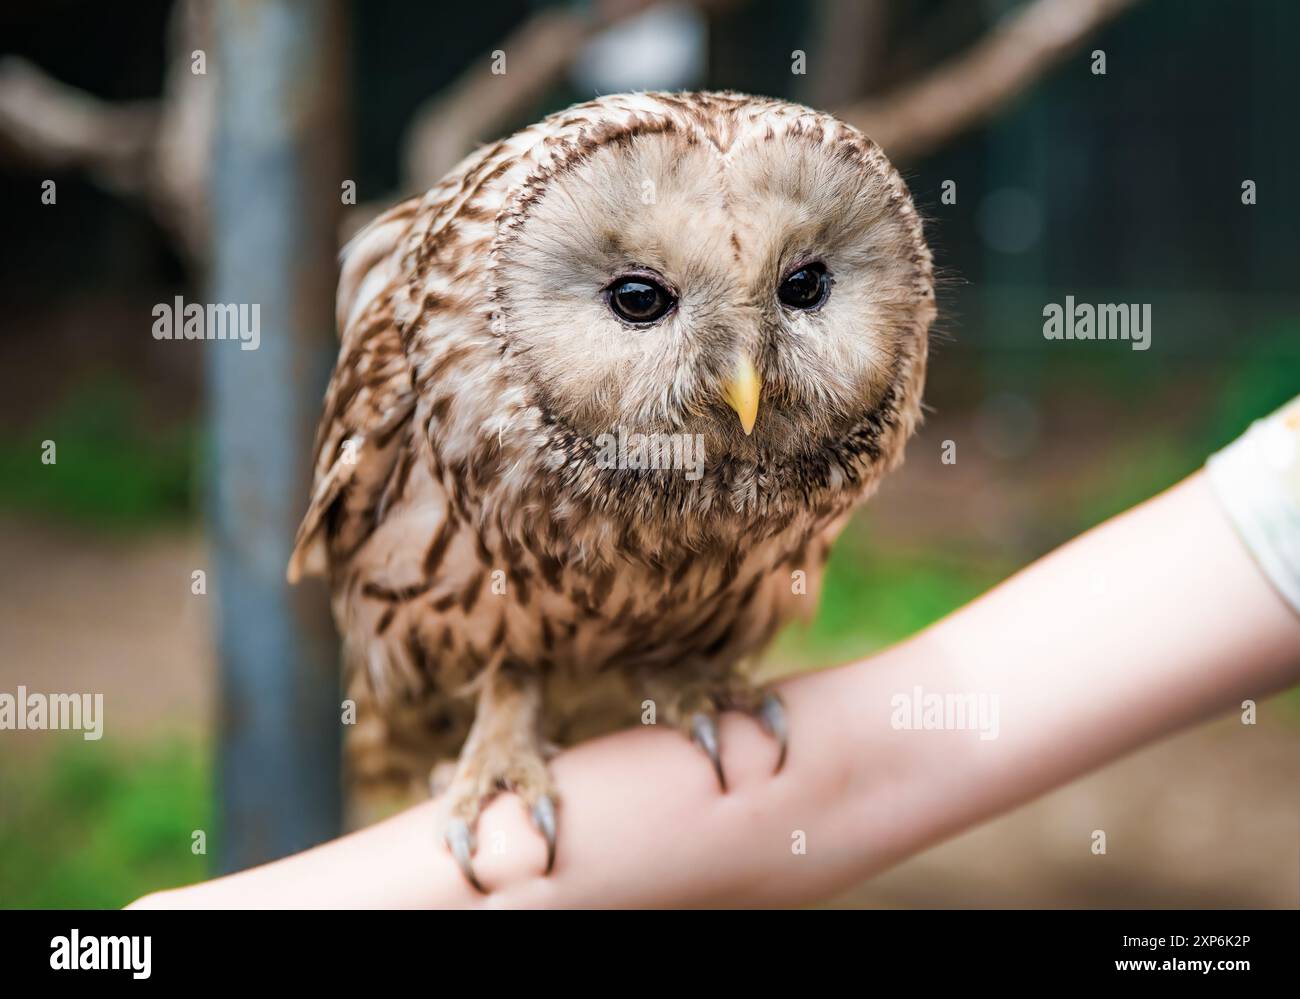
<point>1124,187</point>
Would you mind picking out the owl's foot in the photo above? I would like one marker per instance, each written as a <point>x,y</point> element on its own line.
<point>502,753</point>
<point>479,779</point>
<point>696,712</point>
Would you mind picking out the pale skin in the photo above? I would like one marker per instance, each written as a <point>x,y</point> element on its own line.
<point>1154,621</point>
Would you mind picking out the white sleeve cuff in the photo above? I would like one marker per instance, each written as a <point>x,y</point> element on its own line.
<point>1257,481</point>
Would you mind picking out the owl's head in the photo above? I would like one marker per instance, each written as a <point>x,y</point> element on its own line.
<point>738,268</point>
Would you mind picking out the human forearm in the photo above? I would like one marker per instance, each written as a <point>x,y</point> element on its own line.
<point>1151,622</point>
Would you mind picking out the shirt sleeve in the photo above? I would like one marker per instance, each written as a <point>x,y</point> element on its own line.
<point>1257,481</point>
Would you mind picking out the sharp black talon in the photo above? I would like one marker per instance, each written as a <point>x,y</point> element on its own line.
<point>771,715</point>
<point>461,843</point>
<point>704,733</point>
<point>544,820</point>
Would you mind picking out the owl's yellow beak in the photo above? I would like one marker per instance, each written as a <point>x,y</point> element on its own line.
<point>742,392</point>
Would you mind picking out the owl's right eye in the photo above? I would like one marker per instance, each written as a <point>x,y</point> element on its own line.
<point>639,300</point>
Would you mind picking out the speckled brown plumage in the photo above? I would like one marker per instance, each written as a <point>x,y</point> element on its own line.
<point>484,563</point>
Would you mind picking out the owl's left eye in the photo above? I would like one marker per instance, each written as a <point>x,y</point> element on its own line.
<point>639,300</point>
<point>806,288</point>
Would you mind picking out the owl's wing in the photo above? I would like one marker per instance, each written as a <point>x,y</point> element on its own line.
<point>368,404</point>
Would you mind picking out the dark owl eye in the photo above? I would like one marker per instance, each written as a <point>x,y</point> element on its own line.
<point>806,288</point>
<point>639,300</point>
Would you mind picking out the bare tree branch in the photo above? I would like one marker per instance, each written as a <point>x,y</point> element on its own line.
<point>153,150</point>
<point>48,125</point>
<point>185,130</point>
<point>481,104</point>
<point>920,116</point>
<point>851,40</point>
<point>157,150</point>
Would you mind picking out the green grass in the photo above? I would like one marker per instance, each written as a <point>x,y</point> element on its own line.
<point>114,467</point>
<point>95,828</point>
<point>1267,377</point>
<point>1133,472</point>
<point>873,597</point>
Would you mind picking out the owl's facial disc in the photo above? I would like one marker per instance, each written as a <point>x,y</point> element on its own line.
<point>768,298</point>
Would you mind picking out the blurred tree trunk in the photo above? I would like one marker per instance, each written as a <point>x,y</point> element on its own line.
<point>275,193</point>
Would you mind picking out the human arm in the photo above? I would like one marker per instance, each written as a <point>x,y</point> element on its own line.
<point>1155,620</point>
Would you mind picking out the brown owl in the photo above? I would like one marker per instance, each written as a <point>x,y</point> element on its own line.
<point>602,395</point>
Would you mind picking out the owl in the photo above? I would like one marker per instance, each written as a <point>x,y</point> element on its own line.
<point>604,397</point>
